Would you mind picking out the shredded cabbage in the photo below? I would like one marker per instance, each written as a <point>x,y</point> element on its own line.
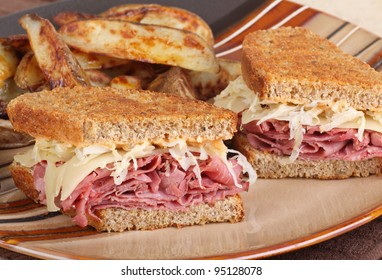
<point>247,167</point>
<point>236,96</point>
<point>239,98</point>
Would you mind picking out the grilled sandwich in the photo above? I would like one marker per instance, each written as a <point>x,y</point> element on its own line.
<point>129,159</point>
<point>307,109</point>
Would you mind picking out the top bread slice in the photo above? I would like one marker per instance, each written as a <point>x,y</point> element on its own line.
<point>84,116</point>
<point>298,66</point>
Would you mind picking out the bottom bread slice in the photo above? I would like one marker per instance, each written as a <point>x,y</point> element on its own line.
<point>268,165</point>
<point>118,219</point>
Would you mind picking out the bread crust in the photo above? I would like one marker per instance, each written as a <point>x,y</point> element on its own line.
<point>83,116</point>
<point>23,178</point>
<point>118,219</point>
<point>295,65</point>
<point>269,165</point>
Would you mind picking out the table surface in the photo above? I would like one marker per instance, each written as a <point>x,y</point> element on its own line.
<point>362,243</point>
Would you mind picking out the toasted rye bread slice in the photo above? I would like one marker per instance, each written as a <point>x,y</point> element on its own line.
<point>117,219</point>
<point>269,165</point>
<point>84,116</point>
<point>295,65</point>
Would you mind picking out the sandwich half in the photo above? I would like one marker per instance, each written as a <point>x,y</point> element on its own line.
<point>121,160</point>
<point>306,108</point>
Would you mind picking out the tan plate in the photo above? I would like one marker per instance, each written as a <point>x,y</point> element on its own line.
<point>281,215</point>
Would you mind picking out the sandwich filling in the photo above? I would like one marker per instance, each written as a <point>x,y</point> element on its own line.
<point>172,175</point>
<point>316,131</point>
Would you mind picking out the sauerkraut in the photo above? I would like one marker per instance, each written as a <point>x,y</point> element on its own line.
<point>67,165</point>
<point>240,99</point>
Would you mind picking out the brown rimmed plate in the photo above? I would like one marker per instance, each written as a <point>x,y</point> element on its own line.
<point>281,215</point>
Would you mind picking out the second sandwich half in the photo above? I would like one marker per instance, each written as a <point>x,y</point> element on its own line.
<point>307,109</point>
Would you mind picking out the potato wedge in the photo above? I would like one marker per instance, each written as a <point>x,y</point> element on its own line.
<point>53,56</point>
<point>8,61</point>
<point>20,43</point>
<point>208,85</point>
<point>98,78</point>
<point>144,71</point>
<point>28,74</point>
<point>126,82</point>
<point>91,61</point>
<point>175,81</point>
<point>147,43</point>
<point>162,15</point>
<point>66,17</point>
<point>140,70</point>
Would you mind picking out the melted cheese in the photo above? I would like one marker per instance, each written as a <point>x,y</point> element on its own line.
<point>67,166</point>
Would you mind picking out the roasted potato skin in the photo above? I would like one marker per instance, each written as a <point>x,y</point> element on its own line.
<point>28,74</point>
<point>56,61</point>
<point>141,42</point>
<point>162,15</point>
<point>8,61</point>
<point>70,16</point>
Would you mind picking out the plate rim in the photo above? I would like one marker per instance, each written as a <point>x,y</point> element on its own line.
<point>259,253</point>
